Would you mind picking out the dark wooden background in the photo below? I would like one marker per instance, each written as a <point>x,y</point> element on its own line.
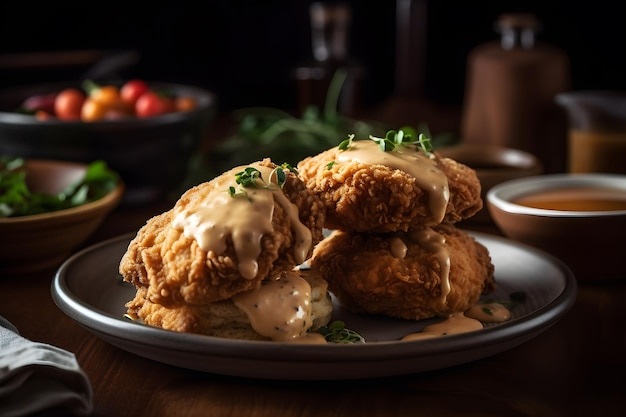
<point>245,50</point>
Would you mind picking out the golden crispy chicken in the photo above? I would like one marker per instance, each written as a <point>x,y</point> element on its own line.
<point>427,273</point>
<point>222,238</point>
<point>368,190</point>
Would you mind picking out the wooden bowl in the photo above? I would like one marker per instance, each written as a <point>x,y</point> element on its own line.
<point>36,242</point>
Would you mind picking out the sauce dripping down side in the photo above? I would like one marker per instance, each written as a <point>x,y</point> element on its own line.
<point>280,309</point>
<point>435,242</point>
<point>427,175</point>
<point>246,218</point>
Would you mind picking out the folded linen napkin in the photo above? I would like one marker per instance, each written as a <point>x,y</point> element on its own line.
<point>37,377</point>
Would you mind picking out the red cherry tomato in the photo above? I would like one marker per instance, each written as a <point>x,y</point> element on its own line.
<point>152,104</point>
<point>132,90</point>
<point>68,104</point>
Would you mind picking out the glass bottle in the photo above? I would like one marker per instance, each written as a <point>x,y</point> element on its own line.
<point>330,32</point>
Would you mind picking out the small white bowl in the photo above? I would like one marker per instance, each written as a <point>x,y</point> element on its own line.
<point>590,242</point>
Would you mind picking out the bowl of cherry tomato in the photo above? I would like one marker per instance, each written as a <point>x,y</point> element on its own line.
<point>145,131</point>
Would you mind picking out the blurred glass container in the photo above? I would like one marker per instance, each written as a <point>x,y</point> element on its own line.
<point>510,88</point>
<point>330,35</point>
<point>597,130</point>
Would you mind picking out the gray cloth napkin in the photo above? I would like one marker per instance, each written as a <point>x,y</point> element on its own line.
<point>37,377</point>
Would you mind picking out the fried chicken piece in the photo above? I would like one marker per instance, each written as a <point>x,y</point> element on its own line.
<point>377,198</point>
<point>173,269</point>
<point>223,318</point>
<point>402,275</point>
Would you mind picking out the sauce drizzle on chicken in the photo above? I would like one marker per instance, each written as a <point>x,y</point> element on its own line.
<point>244,218</point>
<point>424,168</point>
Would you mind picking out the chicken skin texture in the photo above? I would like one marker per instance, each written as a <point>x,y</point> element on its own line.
<point>375,198</point>
<point>395,275</point>
<point>172,270</point>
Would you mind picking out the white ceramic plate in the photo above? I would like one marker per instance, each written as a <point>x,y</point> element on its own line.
<point>89,289</point>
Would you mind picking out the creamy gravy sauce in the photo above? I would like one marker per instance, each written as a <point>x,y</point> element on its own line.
<point>428,176</point>
<point>576,199</point>
<point>471,320</point>
<point>456,323</point>
<point>436,243</point>
<point>280,309</point>
<point>311,338</point>
<point>489,312</point>
<point>246,220</point>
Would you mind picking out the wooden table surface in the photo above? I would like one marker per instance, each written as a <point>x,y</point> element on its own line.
<point>575,368</point>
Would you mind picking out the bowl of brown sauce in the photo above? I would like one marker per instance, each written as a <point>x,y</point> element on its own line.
<point>578,218</point>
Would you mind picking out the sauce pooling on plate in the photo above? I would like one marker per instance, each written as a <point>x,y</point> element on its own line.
<point>244,218</point>
<point>469,321</point>
<point>576,199</point>
<point>427,175</point>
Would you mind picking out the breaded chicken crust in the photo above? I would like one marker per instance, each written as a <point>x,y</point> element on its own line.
<point>174,270</point>
<point>222,318</point>
<point>366,277</point>
<point>378,199</point>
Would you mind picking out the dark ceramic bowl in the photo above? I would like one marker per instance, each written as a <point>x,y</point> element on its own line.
<point>151,155</point>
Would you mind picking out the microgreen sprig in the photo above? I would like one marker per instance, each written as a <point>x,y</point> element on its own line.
<point>336,332</point>
<point>403,137</point>
<point>345,144</point>
<point>251,177</point>
<point>394,139</point>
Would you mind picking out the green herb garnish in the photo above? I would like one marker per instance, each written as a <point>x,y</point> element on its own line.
<point>251,177</point>
<point>248,177</point>
<point>345,144</point>
<point>17,199</point>
<point>395,139</point>
<point>403,137</point>
<point>336,332</point>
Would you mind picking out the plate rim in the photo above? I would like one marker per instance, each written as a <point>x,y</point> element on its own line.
<point>522,329</point>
